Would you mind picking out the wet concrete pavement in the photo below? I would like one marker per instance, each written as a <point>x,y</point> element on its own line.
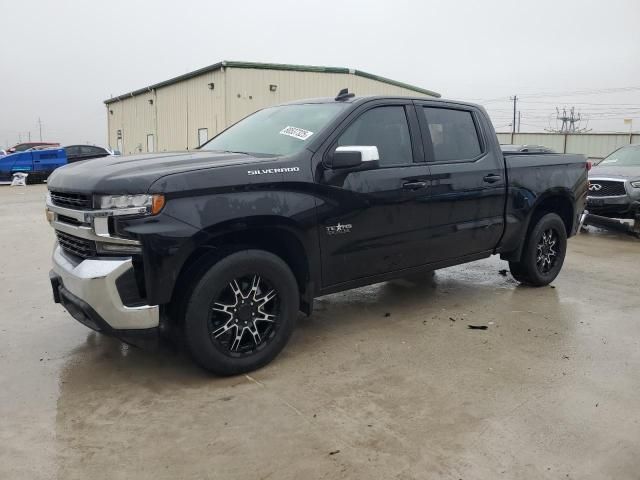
<point>385,381</point>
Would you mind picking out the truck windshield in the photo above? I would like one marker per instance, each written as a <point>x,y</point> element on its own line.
<point>625,157</point>
<point>279,130</point>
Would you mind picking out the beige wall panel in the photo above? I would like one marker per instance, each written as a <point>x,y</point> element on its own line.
<point>596,146</point>
<point>205,107</point>
<point>172,117</point>
<point>135,117</point>
<point>555,142</point>
<point>248,89</point>
<point>179,110</point>
<point>504,138</point>
<point>593,145</point>
<point>114,121</point>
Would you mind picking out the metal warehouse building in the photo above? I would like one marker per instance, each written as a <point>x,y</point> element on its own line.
<point>185,111</point>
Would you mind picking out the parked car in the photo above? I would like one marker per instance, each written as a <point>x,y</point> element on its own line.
<point>37,162</point>
<point>22,147</point>
<point>614,184</point>
<point>76,153</point>
<point>526,149</point>
<point>296,201</point>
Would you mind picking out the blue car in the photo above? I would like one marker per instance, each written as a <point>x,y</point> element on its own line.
<point>37,163</point>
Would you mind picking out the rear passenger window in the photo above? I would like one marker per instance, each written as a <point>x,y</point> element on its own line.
<point>453,134</point>
<point>385,128</point>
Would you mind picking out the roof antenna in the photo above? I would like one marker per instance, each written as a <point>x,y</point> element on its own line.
<point>344,94</point>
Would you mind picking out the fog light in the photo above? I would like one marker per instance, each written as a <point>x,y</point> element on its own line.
<point>118,248</point>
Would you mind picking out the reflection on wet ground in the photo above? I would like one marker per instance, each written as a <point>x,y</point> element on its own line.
<point>385,381</point>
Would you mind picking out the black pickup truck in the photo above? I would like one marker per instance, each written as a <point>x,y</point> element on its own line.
<point>296,201</point>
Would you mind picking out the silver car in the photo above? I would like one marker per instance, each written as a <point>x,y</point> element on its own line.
<point>614,184</point>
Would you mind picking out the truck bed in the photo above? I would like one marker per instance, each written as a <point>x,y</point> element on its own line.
<point>531,177</point>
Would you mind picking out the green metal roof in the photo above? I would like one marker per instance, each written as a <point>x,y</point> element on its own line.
<point>270,66</point>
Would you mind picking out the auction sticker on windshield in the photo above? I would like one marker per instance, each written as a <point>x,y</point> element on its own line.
<point>295,132</point>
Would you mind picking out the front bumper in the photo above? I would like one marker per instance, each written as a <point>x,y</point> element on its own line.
<point>615,207</point>
<point>624,203</point>
<point>87,289</point>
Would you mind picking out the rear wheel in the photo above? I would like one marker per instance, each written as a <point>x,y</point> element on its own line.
<point>32,179</point>
<point>241,313</point>
<point>544,252</point>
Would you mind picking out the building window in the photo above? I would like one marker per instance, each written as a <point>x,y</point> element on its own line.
<point>203,136</point>
<point>120,143</point>
<point>151,143</point>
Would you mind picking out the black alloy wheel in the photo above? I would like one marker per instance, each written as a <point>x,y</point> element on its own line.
<point>543,253</point>
<point>546,251</point>
<point>240,312</point>
<point>245,315</point>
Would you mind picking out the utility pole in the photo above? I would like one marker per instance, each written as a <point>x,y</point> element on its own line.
<point>518,121</point>
<point>513,125</point>
<point>29,135</point>
<point>40,127</point>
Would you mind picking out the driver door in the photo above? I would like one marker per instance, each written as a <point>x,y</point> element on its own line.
<point>366,215</point>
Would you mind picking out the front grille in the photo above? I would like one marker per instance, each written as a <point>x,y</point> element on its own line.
<point>69,220</point>
<point>76,246</point>
<point>77,201</point>
<point>608,188</point>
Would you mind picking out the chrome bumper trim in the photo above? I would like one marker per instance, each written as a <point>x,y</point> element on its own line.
<point>94,282</point>
<point>89,234</point>
<point>96,226</point>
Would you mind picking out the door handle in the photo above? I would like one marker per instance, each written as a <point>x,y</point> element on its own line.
<point>414,185</point>
<point>492,178</point>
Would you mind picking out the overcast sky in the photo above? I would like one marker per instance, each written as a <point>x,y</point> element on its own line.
<point>60,59</point>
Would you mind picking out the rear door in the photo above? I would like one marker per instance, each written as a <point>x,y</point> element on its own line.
<point>466,214</point>
<point>366,217</point>
<point>46,161</point>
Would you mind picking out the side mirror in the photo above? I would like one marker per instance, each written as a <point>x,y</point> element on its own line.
<point>352,156</point>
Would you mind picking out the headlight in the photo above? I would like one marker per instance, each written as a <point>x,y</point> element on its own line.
<point>636,184</point>
<point>131,204</point>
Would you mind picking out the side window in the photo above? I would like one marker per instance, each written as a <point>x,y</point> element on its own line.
<point>385,128</point>
<point>72,151</point>
<point>453,134</point>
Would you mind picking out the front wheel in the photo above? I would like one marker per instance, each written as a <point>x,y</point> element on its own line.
<point>544,252</point>
<point>241,313</point>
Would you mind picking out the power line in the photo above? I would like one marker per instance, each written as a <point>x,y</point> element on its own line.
<point>552,94</point>
<point>582,92</point>
<point>586,103</point>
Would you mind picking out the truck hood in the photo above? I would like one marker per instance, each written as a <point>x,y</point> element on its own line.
<point>614,172</point>
<point>136,173</point>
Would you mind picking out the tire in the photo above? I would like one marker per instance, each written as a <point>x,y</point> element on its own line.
<point>36,178</point>
<point>543,254</point>
<point>32,179</point>
<point>235,328</point>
